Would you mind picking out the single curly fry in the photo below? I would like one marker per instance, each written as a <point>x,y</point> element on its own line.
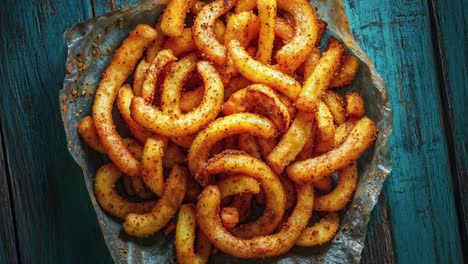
<point>266,145</point>
<point>189,100</point>
<point>294,53</point>
<point>259,247</point>
<point>121,66</point>
<point>258,72</point>
<point>320,233</point>
<point>347,73</point>
<point>181,44</point>
<point>108,198</point>
<point>124,99</point>
<point>289,190</point>
<point>267,15</point>
<point>325,133</point>
<point>139,76</point>
<point>324,185</point>
<point>229,217</point>
<point>148,88</point>
<point>321,77</point>
<point>184,124</point>
<point>291,143</point>
<point>152,164</point>
<point>173,17</point>
<point>343,130</point>
<point>235,84</point>
<point>238,184</point>
<point>355,105</point>
<point>249,144</point>
<point>183,141</point>
<point>173,84</point>
<point>245,5</point>
<point>185,238</point>
<point>140,188</point>
<point>356,143</point>
<point>203,30</point>
<point>238,162</point>
<point>336,106</point>
<point>308,148</point>
<point>311,61</point>
<point>156,46</point>
<point>173,156</point>
<point>283,29</point>
<point>337,199</point>
<point>87,131</point>
<point>146,224</point>
<point>243,205</point>
<point>260,99</point>
<point>222,128</point>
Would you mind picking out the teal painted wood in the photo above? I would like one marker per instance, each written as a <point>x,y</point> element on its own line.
<point>451,22</point>
<point>103,6</point>
<point>54,217</point>
<point>7,227</point>
<point>397,37</point>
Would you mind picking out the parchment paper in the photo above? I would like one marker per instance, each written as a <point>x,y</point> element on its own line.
<point>90,47</point>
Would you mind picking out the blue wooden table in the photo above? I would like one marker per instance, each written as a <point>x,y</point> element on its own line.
<point>419,47</point>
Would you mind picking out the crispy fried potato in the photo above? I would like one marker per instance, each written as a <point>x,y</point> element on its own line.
<point>152,164</point>
<point>222,128</point>
<point>324,185</point>
<point>148,88</point>
<point>336,106</point>
<point>325,133</point>
<point>139,76</point>
<point>181,44</point>
<point>189,100</point>
<point>355,105</point>
<point>260,73</point>
<point>173,156</point>
<point>291,143</point>
<point>343,130</point>
<point>347,73</point>
<point>235,84</point>
<point>124,99</point>
<point>203,30</point>
<point>242,203</point>
<point>108,198</point>
<point>266,145</point>
<point>146,224</point>
<point>283,29</point>
<point>311,61</point>
<point>121,66</point>
<point>184,124</point>
<point>248,143</point>
<point>141,190</point>
<point>185,238</point>
<point>320,233</point>
<point>238,162</point>
<point>156,46</point>
<point>229,217</point>
<point>308,148</point>
<point>245,5</point>
<point>183,141</point>
<point>258,247</point>
<point>87,131</point>
<point>356,143</point>
<point>267,15</point>
<point>173,17</point>
<point>238,184</point>
<point>321,77</point>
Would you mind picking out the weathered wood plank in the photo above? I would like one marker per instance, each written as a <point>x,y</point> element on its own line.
<point>397,37</point>
<point>56,222</point>
<point>8,252</point>
<point>451,37</point>
<point>103,6</point>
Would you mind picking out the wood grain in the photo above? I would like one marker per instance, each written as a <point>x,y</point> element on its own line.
<point>397,37</point>
<point>54,217</point>
<point>7,228</point>
<point>103,6</point>
<point>450,23</point>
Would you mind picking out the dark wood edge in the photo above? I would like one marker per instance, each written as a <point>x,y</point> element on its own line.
<point>7,224</point>
<point>459,174</point>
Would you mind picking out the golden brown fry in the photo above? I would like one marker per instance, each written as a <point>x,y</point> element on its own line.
<point>343,130</point>
<point>141,190</point>
<point>336,106</point>
<point>193,190</point>
<point>203,30</point>
<point>294,53</point>
<point>184,124</point>
<point>355,105</point>
<point>235,84</point>
<point>139,76</point>
<point>169,228</point>
<point>183,141</point>
<point>143,225</point>
<point>324,185</point>
<point>283,29</point>
<point>347,73</point>
<point>267,15</point>
<point>320,78</point>
<point>173,84</point>
<point>185,238</point>
<point>311,62</point>
<point>148,88</point>
<point>260,73</point>
<point>121,66</point>
<point>320,233</point>
<point>238,162</point>
<point>238,184</point>
<point>248,143</point>
<point>191,99</point>
<point>242,203</point>
<point>156,46</point>
<point>173,156</point>
<point>222,128</point>
<point>325,133</point>
<point>152,164</point>
<point>261,99</point>
<point>245,5</point>
<point>337,199</point>
<point>290,191</point>
<point>291,143</point>
<point>258,247</point>
<point>127,185</point>
<point>173,17</point>
<point>108,198</point>
<point>87,131</point>
<point>181,44</point>
<point>124,99</point>
<point>229,217</point>
<point>359,140</point>
<point>309,145</point>
<point>219,30</point>
<point>242,27</point>
<point>266,145</point>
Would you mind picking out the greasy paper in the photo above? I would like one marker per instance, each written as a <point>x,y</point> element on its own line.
<point>90,47</point>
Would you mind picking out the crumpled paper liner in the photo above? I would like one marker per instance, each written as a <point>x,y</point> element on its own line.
<point>90,47</point>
